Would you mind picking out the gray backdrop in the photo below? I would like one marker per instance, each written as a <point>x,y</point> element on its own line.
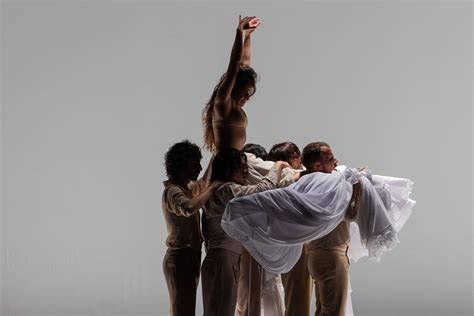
<point>95,92</point>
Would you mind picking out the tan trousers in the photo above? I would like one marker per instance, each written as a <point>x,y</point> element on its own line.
<point>298,286</point>
<point>220,277</point>
<point>181,270</point>
<point>250,286</point>
<point>330,271</point>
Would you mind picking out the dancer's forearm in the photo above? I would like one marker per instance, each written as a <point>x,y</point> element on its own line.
<point>198,201</point>
<point>247,52</point>
<point>225,89</point>
<point>237,52</point>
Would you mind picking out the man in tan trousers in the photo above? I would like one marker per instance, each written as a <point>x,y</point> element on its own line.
<point>328,263</point>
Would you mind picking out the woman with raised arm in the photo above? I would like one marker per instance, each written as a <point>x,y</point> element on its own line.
<point>225,122</point>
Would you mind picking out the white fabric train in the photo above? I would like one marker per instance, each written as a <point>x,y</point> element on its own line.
<point>273,225</point>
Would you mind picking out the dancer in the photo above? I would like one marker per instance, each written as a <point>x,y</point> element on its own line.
<point>225,124</point>
<point>289,152</point>
<point>220,269</point>
<point>328,263</point>
<point>181,202</point>
<point>297,283</point>
<point>224,119</point>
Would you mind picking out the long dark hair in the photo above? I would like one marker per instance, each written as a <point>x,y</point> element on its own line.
<point>245,77</point>
<point>226,162</point>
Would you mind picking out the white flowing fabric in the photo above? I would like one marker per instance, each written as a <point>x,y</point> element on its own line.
<point>382,236</point>
<point>273,225</point>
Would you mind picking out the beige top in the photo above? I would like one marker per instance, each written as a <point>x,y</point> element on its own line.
<point>231,132</point>
<point>339,236</point>
<point>214,208</point>
<point>183,226</point>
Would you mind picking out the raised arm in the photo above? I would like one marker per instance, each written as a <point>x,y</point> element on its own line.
<point>223,97</point>
<point>247,52</point>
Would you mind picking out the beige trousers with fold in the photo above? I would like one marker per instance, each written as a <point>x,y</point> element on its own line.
<point>220,276</point>
<point>330,271</point>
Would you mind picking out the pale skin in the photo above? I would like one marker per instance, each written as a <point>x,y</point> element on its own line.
<point>231,130</point>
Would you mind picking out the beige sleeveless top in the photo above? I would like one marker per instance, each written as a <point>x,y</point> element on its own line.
<point>231,132</point>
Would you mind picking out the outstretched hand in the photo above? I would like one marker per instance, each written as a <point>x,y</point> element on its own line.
<point>282,164</point>
<point>248,23</point>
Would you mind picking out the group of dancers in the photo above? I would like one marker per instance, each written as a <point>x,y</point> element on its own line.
<point>272,224</point>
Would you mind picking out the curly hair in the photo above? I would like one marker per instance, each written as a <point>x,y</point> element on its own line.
<point>178,156</point>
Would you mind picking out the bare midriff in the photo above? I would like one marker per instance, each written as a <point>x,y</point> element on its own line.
<point>231,132</point>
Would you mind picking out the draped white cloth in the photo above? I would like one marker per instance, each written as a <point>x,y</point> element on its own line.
<point>273,225</point>
<point>376,229</point>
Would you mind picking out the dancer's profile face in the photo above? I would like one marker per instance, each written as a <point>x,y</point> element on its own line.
<point>242,95</point>
<point>240,175</point>
<point>328,162</point>
<point>295,161</point>
<point>194,168</point>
